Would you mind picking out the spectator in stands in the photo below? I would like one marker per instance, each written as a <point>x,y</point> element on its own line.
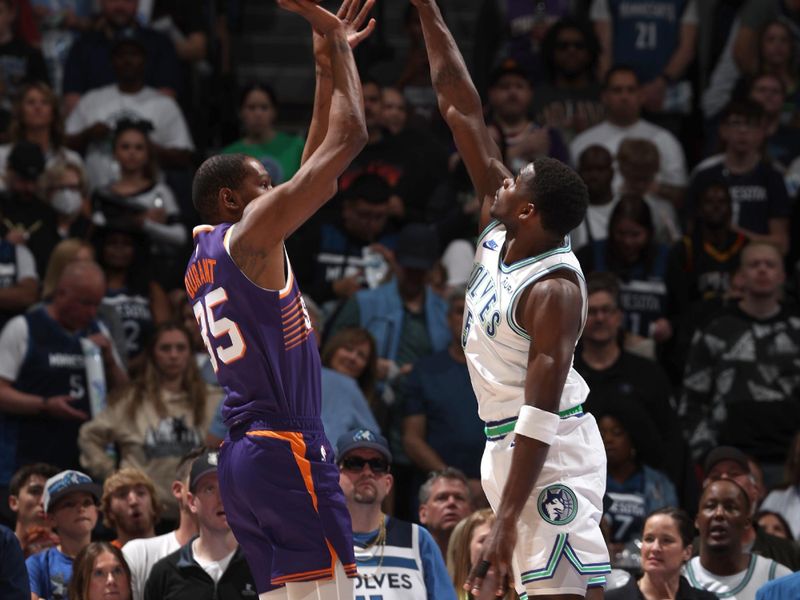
<point>773,524</point>
<point>444,500</point>
<point>729,398</point>
<point>19,281</point>
<point>634,484</point>
<point>640,264</point>
<point>143,553</point>
<point>21,62</point>
<point>778,56</point>
<point>727,462</point>
<point>100,572</point>
<point>596,168</point>
<point>64,186</point>
<point>349,398</point>
<point>140,302</point>
<point>37,119</point>
<point>166,409</point>
<point>27,219</point>
<point>70,503</point>
<point>659,45</point>
<point>394,110</point>
<point>404,308</point>
<point>520,139</point>
<point>761,206</point>
<point>90,61</point>
<point>91,123</point>
<point>785,588</point>
<point>129,505</point>
<point>211,564</point>
<point>638,162</point>
<point>623,99</point>
<point>441,427</point>
<point>44,386</point>
<point>335,258</point>
<point>666,546</point>
<point>747,51</point>
<point>14,583</point>
<point>464,549</point>
<point>569,100</point>
<point>25,493</point>
<point>700,270</point>
<point>782,145</point>
<point>724,565</point>
<point>364,461</point>
<point>279,152</point>
<point>786,500</point>
<point>615,375</point>
<point>505,29</point>
<point>137,199</point>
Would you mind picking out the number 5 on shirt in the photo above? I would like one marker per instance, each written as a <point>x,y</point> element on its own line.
<point>218,328</point>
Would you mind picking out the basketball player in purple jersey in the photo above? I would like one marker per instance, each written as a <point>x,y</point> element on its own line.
<point>278,481</point>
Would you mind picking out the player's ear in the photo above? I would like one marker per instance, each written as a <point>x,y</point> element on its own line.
<point>228,198</point>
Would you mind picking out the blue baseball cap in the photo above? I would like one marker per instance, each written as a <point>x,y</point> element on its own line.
<point>65,483</point>
<point>362,438</point>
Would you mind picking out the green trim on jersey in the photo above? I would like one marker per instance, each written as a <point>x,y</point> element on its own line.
<point>742,584</point>
<point>566,247</point>
<point>506,428</point>
<point>492,224</point>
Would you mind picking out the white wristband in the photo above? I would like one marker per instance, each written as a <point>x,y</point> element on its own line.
<point>537,424</point>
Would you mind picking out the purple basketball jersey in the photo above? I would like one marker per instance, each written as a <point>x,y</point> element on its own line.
<point>261,343</point>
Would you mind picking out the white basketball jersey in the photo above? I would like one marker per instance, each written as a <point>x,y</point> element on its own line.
<point>496,346</point>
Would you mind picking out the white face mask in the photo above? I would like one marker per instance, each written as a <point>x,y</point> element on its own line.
<point>67,202</point>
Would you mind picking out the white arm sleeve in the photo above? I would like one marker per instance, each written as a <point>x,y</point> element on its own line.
<point>26,265</point>
<point>13,347</point>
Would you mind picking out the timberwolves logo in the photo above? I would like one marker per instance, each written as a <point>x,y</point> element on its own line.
<point>557,504</point>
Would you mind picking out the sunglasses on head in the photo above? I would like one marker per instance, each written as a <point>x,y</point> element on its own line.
<point>356,464</point>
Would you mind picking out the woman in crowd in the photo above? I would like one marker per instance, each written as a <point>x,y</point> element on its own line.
<point>63,185</point>
<point>166,411</point>
<point>639,263</point>
<point>37,118</point>
<point>778,57</point>
<point>99,573</point>
<point>349,400</point>
<point>666,545</point>
<point>137,198</point>
<point>464,548</point>
<point>279,152</point>
<point>773,523</point>
<point>139,301</point>
<point>633,486</point>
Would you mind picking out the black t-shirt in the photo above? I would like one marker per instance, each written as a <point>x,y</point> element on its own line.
<point>37,219</point>
<point>20,64</point>
<point>758,196</point>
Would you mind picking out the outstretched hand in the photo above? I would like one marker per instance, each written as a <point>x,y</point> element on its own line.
<point>321,20</point>
<point>353,19</point>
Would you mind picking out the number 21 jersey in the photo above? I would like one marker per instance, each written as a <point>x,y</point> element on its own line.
<point>261,344</point>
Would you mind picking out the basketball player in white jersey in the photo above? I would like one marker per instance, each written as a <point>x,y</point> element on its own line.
<point>544,466</point>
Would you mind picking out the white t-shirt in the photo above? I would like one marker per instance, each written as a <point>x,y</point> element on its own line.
<point>142,554</point>
<point>673,161</point>
<point>740,586</point>
<point>214,568</point>
<point>108,105</point>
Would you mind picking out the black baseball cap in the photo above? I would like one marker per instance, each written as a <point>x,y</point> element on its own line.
<point>508,67</point>
<point>721,453</point>
<point>26,159</point>
<point>417,246</point>
<point>203,465</point>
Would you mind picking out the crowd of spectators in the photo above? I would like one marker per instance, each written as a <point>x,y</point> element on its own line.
<point>682,117</point>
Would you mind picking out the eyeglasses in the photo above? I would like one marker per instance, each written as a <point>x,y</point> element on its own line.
<point>356,464</point>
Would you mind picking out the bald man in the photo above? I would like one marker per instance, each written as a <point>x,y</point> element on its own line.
<point>43,372</point>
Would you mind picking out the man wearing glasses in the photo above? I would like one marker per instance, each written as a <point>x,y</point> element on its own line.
<point>396,559</point>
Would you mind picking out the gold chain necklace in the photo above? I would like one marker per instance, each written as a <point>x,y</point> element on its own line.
<point>380,540</point>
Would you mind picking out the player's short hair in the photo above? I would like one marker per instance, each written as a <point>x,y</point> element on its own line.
<point>446,473</point>
<point>23,474</point>
<point>559,194</point>
<point>222,170</point>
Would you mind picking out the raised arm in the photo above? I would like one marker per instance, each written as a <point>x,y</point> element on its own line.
<point>353,19</point>
<point>270,218</point>
<point>460,106</point>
